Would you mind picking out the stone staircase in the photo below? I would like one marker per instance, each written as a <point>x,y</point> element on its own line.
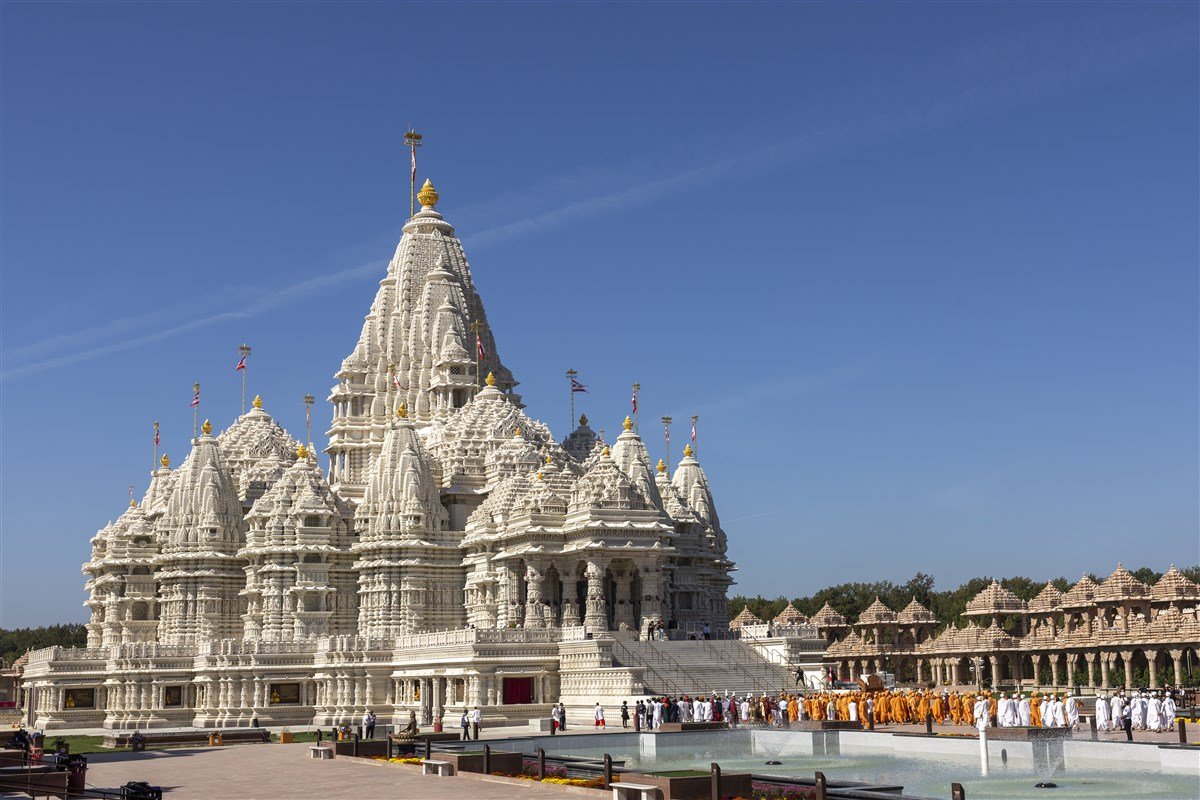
<point>702,667</point>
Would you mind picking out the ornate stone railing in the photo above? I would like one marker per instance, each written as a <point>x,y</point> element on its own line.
<point>478,636</point>
<point>58,653</point>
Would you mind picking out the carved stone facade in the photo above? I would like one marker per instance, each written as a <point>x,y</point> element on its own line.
<point>1094,636</point>
<point>455,552</point>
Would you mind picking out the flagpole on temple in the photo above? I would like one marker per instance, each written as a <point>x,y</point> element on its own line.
<point>154,463</point>
<point>637,415</point>
<point>195,410</point>
<point>413,140</point>
<point>244,351</point>
<point>308,404</point>
<point>476,328</point>
<point>571,391</point>
<point>695,419</point>
<point>666,421</point>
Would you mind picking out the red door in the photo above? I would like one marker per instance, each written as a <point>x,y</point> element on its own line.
<point>518,691</point>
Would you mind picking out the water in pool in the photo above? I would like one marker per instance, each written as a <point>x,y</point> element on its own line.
<point>919,775</point>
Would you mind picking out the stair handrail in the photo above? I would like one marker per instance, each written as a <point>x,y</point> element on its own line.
<point>637,660</point>
<point>754,679</point>
<point>767,655</point>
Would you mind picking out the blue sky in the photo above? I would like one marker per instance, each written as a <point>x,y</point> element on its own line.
<point>927,272</point>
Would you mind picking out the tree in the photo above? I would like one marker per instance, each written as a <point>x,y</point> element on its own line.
<point>14,642</point>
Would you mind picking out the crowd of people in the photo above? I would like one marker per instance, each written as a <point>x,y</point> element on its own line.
<point>1150,711</point>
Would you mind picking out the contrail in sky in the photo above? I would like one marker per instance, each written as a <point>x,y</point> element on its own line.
<point>1103,61</point>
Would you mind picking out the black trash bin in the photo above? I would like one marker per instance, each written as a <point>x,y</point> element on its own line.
<point>140,790</point>
<point>76,774</point>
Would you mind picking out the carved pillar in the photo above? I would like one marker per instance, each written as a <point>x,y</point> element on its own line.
<point>920,670</point>
<point>1091,669</point>
<point>1127,657</point>
<point>1177,666</point>
<point>623,614</point>
<point>534,616</point>
<point>995,662</point>
<point>955,669</point>
<point>1105,660</point>
<point>596,615</point>
<point>1037,668</point>
<point>651,596</point>
<point>1071,670</point>
<point>1151,659</point>
<point>426,701</point>
<point>1054,669</point>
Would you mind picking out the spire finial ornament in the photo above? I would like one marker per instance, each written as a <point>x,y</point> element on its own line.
<point>605,452</point>
<point>662,466</point>
<point>165,461</point>
<point>582,420</point>
<point>302,453</point>
<point>491,379</point>
<point>687,451</point>
<point>132,503</point>
<point>402,411</point>
<point>206,428</point>
<point>428,195</point>
<point>517,433</point>
<point>548,458</point>
<point>627,424</point>
<point>257,402</point>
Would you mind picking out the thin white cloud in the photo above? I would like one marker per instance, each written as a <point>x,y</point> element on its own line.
<point>619,189</point>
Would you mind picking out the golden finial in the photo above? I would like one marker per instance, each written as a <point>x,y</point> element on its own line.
<point>402,411</point>
<point>627,424</point>
<point>582,420</point>
<point>302,453</point>
<point>132,503</point>
<point>662,467</point>
<point>517,433</point>
<point>428,195</point>
<point>165,461</point>
<point>605,452</point>
<point>257,401</point>
<point>490,380</point>
<point>687,451</point>
<point>206,427</point>
<point>548,459</point>
<point>539,476</point>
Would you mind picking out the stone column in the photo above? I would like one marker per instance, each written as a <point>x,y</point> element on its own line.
<point>1127,657</point>
<point>1177,666</point>
<point>623,614</point>
<point>1071,670</point>
<point>651,596</point>
<point>920,670</point>
<point>1037,668</point>
<point>426,701</point>
<point>1054,669</point>
<point>955,670</point>
<point>1151,658</point>
<point>439,698</point>
<point>534,617</point>
<point>1091,669</point>
<point>1105,660</point>
<point>596,616</point>
<point>995,662</point>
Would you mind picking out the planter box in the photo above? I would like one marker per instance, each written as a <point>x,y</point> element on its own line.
<point>509,763</point>
<point>367,748</point>
<point>287,737</point>
<point>691,786</point>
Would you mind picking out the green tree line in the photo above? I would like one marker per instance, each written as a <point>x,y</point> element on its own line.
<point>851,599</point>
<point>15,641</point>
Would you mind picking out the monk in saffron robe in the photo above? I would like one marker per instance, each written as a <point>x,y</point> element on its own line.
<point>1035,711</point>
<point>938,708</point>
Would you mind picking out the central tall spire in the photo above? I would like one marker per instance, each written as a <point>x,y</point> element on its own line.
<point>418,346</point>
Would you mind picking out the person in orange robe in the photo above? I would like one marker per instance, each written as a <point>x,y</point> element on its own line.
<point>1035,711</point>
<point>938,708</point>
<point>992,704</point>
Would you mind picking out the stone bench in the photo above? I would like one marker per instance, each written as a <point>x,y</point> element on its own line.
<point>443,769</point>
<point>320,752</point>
<point>635,791</point>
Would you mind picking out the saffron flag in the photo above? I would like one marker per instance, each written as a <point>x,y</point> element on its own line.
<point>576,386</point>
<point>241,364</point>
<point>156,435</point>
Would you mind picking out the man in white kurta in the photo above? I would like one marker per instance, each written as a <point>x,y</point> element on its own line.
<point>657,715</point>
<point>1168,712</point>
<point>1138,707</point>
<point>1154,714</point>
<point>1024,711</point>
<point>1117,708</point>
<point>1103,716</point>
<point>1072,712</point>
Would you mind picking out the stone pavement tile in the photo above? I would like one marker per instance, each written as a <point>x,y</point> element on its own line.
<point>285,772</point>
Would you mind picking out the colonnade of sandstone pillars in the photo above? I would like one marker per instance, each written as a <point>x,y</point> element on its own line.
<point>1061,672</point>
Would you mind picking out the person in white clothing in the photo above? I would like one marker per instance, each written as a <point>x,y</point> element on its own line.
<point>1072,710</point>
<point>1024,711</point>
<point>1117,710</point>
<point>1169,711</point>
<point>744,710</point>
<point>1102,713</point>
<point>1138,707</point>
<point>599,716</point>
<point>853,709</point>
<point>980,712</point>
<point>1154,714</point>
<point>657,714</point>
